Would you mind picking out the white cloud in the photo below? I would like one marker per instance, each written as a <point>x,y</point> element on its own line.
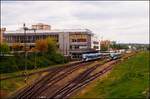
<point>125,21</point>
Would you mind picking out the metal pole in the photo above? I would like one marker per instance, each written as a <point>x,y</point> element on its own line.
<point>25,49</point>
<point>63,44</point>
<point>35,50</point>
<point>25,46</point>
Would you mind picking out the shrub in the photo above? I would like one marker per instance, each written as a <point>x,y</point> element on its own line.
<point>45,56</point>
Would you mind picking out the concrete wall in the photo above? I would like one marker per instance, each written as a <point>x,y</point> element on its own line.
<point>95,42</point>
<point>64,43</point>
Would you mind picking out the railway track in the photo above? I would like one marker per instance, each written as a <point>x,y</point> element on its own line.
<point>53,77</point>
<point>52,72</point>
<point>55,80</point>
<point>36,84</point>
<point>77,84</point>
<point>36,89</point>
<point>46,83</point>
<point>82,75</point>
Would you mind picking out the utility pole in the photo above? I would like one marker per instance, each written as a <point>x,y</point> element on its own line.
<point>25,47</point>
<point>25,39</point>
<point>35,50</point>
<point>63,45</point>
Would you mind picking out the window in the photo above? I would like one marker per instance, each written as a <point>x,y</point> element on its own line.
<point>83,47</point>
<point>70,46</point>
<point>73,40</point>
<point>95,42</point>
<point>81,40</point>
<point>76,47</point>
<point>96,47</point>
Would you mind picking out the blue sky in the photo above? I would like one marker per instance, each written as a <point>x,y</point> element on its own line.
<point>122,21</point>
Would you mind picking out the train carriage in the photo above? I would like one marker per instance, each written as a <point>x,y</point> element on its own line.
<point>93,56</point>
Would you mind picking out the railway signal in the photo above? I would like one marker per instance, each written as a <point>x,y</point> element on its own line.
<point>26,53</point>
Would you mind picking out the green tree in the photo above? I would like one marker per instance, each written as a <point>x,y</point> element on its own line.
<point>118,46</point>
<point>46,45</point>
<point>4,48</point>
<point>52,45</point>
<point>104,48</point>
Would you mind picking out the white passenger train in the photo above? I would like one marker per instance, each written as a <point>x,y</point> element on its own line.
<point>94,56</point>
<point>115,55</point>
<point>90,56</point>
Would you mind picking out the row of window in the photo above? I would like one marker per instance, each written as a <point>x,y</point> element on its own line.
<point>28,39</point>
<point>96,47</point>
<point>76,55</point>
<point>79,40</point>
<point>79,36</point>
<point>95,42</point>
<point>73,47</point>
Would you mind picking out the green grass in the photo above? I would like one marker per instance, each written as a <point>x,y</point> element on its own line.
<point>128,79</point>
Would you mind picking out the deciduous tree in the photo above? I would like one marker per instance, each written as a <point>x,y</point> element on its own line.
<point>16,46</point>
<point>41,45</point>
<point>52,46</point>
<point>4,48</point>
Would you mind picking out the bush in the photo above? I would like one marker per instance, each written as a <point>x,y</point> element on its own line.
<point>17,62</point>
<point>46,55</point>
<point>57,58</point>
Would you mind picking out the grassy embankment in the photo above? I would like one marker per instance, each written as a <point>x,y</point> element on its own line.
<point>128,79</point>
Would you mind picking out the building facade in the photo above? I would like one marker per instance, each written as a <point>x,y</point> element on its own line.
<point>71,42</point>
<point>95,43</point>
<point>2,30</point>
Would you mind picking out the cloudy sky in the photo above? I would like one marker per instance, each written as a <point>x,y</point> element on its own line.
<point>122,21</point>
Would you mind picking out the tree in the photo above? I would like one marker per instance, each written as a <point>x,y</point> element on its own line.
<point>4,48</point>
<point>16,46</point>
<point>41,45</point>
<point>119,46</point>
<point>52,45</point>
<point>104,48</point>
<point>46,45</point>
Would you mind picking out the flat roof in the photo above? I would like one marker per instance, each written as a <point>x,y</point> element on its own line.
<point>50,31</point>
